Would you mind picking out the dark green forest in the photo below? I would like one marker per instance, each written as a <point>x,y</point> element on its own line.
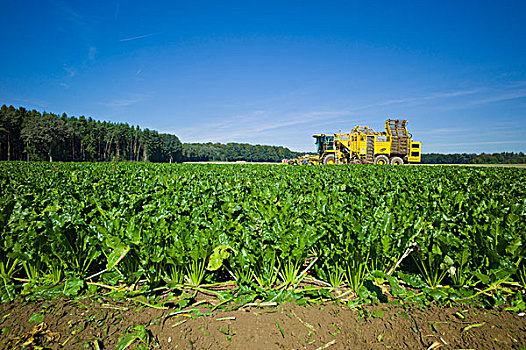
<point>236,152</point>
<point>31,135</point>
<point>472,158</point>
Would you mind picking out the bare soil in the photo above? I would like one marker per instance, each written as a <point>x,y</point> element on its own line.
<point>78,324</point>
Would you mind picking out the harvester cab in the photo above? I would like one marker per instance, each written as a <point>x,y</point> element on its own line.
<point>324,143</point>
<point>327,148</point>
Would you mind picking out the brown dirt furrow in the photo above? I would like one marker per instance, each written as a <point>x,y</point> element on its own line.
<point>287,326</point>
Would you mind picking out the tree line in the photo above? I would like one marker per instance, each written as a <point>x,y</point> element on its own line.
<point>236,152</point>
<point>472,158</point>
<point>31,135</point>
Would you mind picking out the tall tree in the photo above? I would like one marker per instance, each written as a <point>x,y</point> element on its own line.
<point>10,122</point>
<point>45,133</point>
<point>171,148</point>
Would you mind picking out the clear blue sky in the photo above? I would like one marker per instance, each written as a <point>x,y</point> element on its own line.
<point>275,72</point>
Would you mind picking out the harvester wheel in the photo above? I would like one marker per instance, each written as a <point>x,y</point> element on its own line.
<point>397,161</point>
<point>381,160</point>
<point>329,159</point>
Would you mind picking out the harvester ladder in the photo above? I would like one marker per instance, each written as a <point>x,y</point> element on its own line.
<point>370,148</point>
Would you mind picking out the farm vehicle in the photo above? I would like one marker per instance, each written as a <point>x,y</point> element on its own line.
<point>363,145</point>
<point>309,159</point>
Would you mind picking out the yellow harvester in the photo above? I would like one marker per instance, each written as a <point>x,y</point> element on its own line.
<point>365,146</point>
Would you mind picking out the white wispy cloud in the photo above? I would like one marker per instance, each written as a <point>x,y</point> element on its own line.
<point>71,71</point>
<point>72,15</point>
<point>29,103</point>
<point>265,123</point>
<point>516,84</point>
<point>501,96</point>
<point>478,143</point>
<point>417,99</point>
<point>80,25</point>
<point>138,37</point>
<point>258,123</point>
<point>123,102</point>
<point>271,126</point>
<point>301,118</point>
<point>439,131</point>
<point>432,96</point>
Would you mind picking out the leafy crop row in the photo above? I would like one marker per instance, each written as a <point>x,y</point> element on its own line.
<point>454,232</point>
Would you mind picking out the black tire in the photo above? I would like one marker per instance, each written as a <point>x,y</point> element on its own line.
<point>329,159</point>
<point>381,160</point>
<point>397,161</point>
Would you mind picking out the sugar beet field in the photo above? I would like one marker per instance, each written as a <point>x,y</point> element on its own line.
<point>122,255</point>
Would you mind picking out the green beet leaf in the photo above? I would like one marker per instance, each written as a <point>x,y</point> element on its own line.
<point>215,261</point>
<point>116,256</point>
